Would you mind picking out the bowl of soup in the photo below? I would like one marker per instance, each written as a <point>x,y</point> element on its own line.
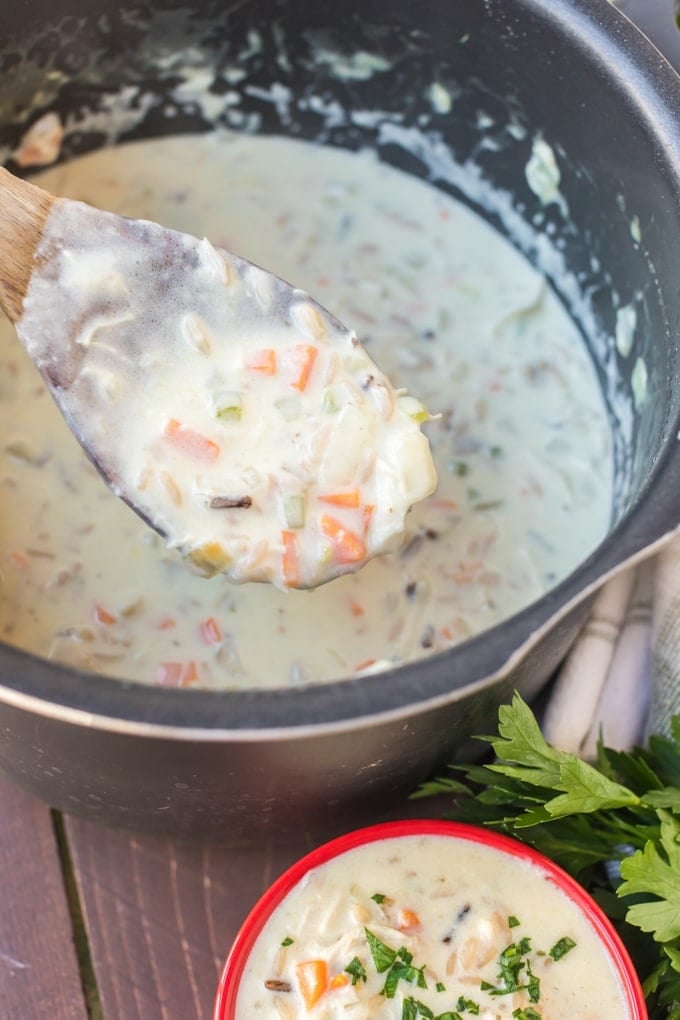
<point>493,208</point>
<point>427,919</point>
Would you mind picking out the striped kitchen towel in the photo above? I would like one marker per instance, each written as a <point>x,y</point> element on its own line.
<point>621,679</point>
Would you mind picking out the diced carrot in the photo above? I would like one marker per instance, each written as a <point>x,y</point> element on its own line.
<point>312,976</point>
<point>408,919</point>
<point>210,631</point>
<point>466,572</point>
<point>291,565</point>
<point>348,547</point>
<point>102,615</point>
<point>176,674</point>
<point>349,499</point>
<point>190,675</point>
<point>189,441</point>
<point>262,360</point>
<point>166,623</point>
<point>19,560</point>
<point>338,981</point>
<point>303,357</point>
<point>356,608</point>
<point>368,512</point>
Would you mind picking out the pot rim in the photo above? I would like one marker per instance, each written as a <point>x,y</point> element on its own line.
<point>31,683</point>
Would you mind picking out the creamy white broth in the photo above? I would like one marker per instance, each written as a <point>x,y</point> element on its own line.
<point>456,907</point>
<point>443,304</point>
<point>240,419</point>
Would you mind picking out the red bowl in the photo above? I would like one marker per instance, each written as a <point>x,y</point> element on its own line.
<point>256,920</point>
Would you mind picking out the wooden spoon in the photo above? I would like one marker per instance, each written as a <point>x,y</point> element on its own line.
<point>25,209</point>
<point>240,419</point>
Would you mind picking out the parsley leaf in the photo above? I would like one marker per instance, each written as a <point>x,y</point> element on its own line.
<point>356,970</point>
<point>623,809</point>
<point>397,962</point>
<point>655,871</point>
<point>383,955</point>
<point>412,1009</point>
<point>561,948</point>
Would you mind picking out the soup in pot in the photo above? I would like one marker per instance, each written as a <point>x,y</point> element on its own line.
<point>445,306</point>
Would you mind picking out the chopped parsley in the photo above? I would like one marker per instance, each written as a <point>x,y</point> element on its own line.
<point>382,954</point>
<point>288,941</point>
<point>467,1006</point>
<point>356,970</point>
<point>513,967</point>
<point>378,897</point>
<point>398,963</point>
<point>526,1014</point>
<point>561,948</point>
<point>413,1009</point>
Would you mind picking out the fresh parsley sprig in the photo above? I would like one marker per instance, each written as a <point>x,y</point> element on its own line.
<point>620,814</point>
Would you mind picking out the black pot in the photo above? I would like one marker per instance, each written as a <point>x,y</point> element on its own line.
<point>230,765</point>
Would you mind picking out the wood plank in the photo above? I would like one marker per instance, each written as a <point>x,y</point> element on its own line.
<point>39,975</point>
<point>161,916</point>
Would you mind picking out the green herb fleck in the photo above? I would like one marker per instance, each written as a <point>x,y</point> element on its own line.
<point>412,1009</point>
<point>533,985</point>
<point>513,922</point>
<point>403,970</point>
<point>397,962</point>
<point>526,1014</point>
<point>356,970</point>
<point>512,969</point>
<point>288,941</point>
<point>383,955</point>
<point>378,897</point>
<point>467,1006</point>
<point>440,986</point>
<point>561,948</point>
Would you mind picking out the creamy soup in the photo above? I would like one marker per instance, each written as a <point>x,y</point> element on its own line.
<point>445,306</point>
<point>241,420</point>
<point>398,927</point>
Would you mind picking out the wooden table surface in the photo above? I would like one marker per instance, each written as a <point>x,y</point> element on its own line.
<point>96,923</point>
<point>103,925</point>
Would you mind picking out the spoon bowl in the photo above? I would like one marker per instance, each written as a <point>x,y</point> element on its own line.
<point>233,413</point>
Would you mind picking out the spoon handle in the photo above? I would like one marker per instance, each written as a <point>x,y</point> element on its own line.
<point>23,212</point>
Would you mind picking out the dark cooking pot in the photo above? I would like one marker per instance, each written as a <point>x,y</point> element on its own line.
<point>576,73</point>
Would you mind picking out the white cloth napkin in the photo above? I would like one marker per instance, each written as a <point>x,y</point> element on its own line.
<point>621,679</point>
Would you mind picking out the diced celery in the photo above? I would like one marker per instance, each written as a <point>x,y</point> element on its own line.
<point>329,404</point>
<point>294,509</point>
<point>289,407</point>
<point>229,406</point>
<point>414,409</point>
